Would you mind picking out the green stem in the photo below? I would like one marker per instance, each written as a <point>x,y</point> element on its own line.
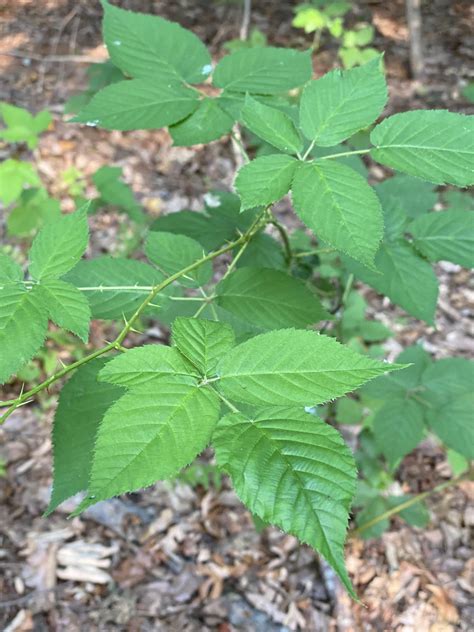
<point>408,503</point>
<point>284,237</point>
<point>115,344</point>
<point>344,153</point>
<point>308,151</point>
<point>316,251</point>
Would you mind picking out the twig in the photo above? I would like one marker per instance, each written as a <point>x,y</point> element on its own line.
<point>244,27</point>
<point>413,13</point>
<point>76,59</point>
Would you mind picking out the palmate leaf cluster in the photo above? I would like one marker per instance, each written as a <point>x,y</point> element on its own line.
<point>246,367</point>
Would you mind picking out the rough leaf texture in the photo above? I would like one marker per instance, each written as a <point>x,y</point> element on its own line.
<point>340,207</point>
<point>291,366</point>
<point>203,342</point>
<point>435,145</point>
<point>342,102</point>
<point>292,470</point>
<point>83,402</point>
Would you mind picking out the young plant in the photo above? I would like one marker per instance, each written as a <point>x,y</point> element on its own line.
<point>246,365</point>
<point>321,16</point>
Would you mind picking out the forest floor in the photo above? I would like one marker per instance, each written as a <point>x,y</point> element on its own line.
<point>183,557</point>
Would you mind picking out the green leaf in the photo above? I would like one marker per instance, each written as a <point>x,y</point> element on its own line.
<point>203,342</point>
<point>448,235</point>
<point>263,252</point>
<point>82,404</point>
<point>269,298</point>
<point>58,246</point>
<point>399,384</point>
<point>459,200</point>
<point>265,180</point>
<point>23,325</point>
<point>395,219</point>
<point>340,207</point>
<point>139,104</point>
<point>405,278</point>
<point>273,126</point>
<point>35,208</point>
<point>416,515</point>
<point>294,367</point>
<point>67,307</point>
<point>209,122</point>
<point>451,401</point>
<point>148,46</point>
<point>115,192</point>
<point>194,225</point>
<point>115,287</point>
<point>10,271</point>
<point>435,145</point>
<point>372,510</point>
<point>148,364</point>
<point>172,253</point>
<point>342,102</point>
<point>150,434</point>
<point>22,126</point>
<point>263,70</point>
<point>222,221</point>
<point>349,411</point>
<point>457,462</point>
<point>398,428</point>
<point>414,196</point>
<point>14,175</point>
<point>292,470</point>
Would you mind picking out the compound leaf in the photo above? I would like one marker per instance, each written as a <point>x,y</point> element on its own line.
<point>273,126</point>
<point>342,102</point>
<point>269,298</point>
<point>82,404</point>
<point>263,70</point>
<point>435,145</point>
<point>58,246</point>
<point>292,470</point>
<point>202,342</point>
<point>265,180</point>
<point>66,306</point>
<point>294,367</point>
<point>340,207</point>
<point>448,235</point>
<point>149,47</point>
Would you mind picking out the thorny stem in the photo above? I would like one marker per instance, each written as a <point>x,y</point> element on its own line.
<point>13,404</point>
<point>238,142</point>
<point>411,501</point>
